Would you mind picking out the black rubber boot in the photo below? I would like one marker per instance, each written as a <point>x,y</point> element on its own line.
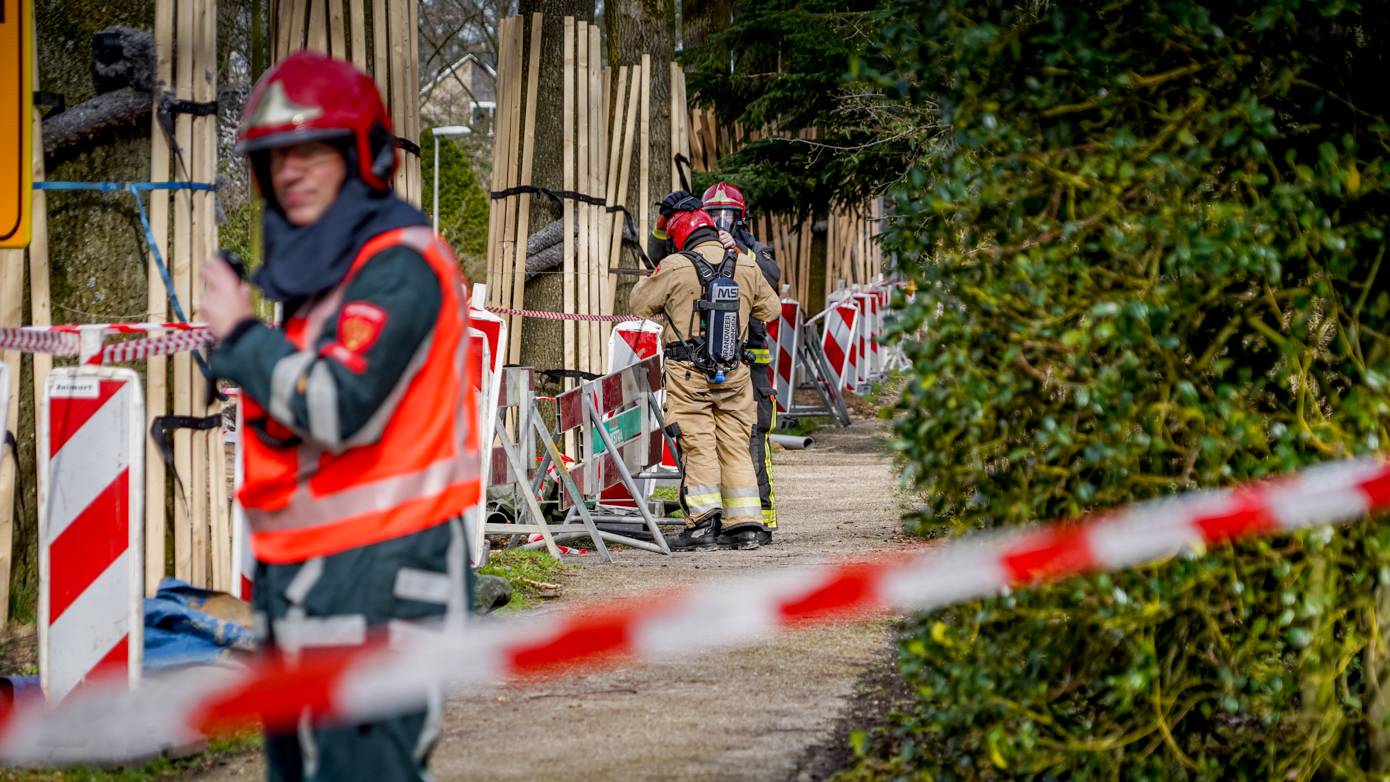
<point>743,537</point>
<point>702,536</point>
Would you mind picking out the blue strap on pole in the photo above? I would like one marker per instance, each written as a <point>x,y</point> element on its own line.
<point>135,189</point>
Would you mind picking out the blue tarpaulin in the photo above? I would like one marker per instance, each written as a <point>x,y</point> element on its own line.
<point>184,625</point>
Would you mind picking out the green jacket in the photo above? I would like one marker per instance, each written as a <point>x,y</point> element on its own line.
<point>341,391</point>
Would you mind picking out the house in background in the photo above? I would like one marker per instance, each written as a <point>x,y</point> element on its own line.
<point>462,93</point>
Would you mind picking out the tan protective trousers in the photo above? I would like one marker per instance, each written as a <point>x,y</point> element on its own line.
<point>715,421</point>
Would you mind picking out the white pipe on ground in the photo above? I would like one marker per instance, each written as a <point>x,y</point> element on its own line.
<point>792,442</point>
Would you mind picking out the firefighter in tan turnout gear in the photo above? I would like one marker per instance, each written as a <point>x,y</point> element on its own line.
<point>709,396</point>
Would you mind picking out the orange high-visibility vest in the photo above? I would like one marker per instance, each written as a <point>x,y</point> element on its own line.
<point>303,501</point>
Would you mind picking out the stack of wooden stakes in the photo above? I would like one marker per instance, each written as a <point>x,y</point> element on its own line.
<point>853,255</point>
<point>185,37</point>
<point>605,132</point>
<point>586,226</point>
<point>186,70</point>
<point>627,94</point>
<point>340,28</point>
<point>513,152</point>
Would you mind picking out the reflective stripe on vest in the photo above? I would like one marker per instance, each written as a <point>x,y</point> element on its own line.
<point>304,500</point>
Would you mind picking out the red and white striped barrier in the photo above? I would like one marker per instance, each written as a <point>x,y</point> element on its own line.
<point>840,341</point>
<point>630,344</point>
<point>104,722</point>
<point>91,462</point>
<point>487,348</point>
<point>870,360</point>
<point>782,334</point>
<point>243,557</point>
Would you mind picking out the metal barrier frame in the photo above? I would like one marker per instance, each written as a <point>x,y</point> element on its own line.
<point>815,373</point>
<point>516,390</point>
<point>586,408</point>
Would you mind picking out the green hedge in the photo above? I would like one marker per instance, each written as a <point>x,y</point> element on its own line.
<point>1148,252</point>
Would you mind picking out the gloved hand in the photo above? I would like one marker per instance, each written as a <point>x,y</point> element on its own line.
<point>678,201</point>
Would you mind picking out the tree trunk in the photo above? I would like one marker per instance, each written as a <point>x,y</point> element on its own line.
<point>542,343</point>
<point>96,247</point>
<point>702,18</point>
<point>635,28</point>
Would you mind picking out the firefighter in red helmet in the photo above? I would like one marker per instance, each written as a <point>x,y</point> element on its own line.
<point>709,396</point>
<point>726,205</point>
<point>359,456</point>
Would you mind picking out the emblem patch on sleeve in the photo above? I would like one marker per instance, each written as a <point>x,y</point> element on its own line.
<point>360,325</point>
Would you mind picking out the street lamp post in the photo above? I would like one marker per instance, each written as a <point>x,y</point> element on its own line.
<point>446,131</point>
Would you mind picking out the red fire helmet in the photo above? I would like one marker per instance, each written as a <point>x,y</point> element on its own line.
<point>682,224</point>
<point>311,97</point>
<point>723,195</point>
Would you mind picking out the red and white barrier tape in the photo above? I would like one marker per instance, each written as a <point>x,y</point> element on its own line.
<point>162,345</point>
<point>29,340</point>
<point>548,315</point>
<point>105,721</point>
<point>124,328</point>
<point>66,340</point>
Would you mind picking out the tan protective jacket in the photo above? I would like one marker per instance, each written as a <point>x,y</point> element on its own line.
<point>672,290</point>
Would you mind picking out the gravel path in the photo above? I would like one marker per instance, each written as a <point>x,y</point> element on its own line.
<point>758,713</point>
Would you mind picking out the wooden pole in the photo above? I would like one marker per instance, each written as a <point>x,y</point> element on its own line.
<point>413,102</point>
<point>397,104</point>
<point>357,19</point>
<point>299,16</point>
<point>157,367</point>
<point>318,26</point>
<point>201,156</point>
<point>40,300</point>
<point>683,113</point>
<point>567,206</point>
<point>381,59</point>
<point>698,150</point>
<point>644,176</point>
<point>507,137</point>
<point>214,470</point>
<point>184,518</point>
<point>528,152</point>
<point>336,34</point>
<point>11,314</point>
<point>616,180</point>
<point>624,170</point>
<point>602,91</point>
<point>584,262</point>
<point>613,136</point>
<point>496,207</point>
<point>675,125</point>
<point>279,28</point>
<point>598,285</point>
